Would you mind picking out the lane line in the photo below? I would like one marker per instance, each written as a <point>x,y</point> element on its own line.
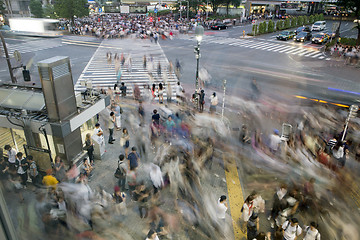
<point>235,193</point>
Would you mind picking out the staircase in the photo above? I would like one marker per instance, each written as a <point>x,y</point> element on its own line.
<point>5,138</point>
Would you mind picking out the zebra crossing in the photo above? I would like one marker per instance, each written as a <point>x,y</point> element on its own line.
<point>33,46</point>
<point>102,74</point>
<point>262,45</point>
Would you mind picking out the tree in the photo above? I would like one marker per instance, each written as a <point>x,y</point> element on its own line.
<point>279,25</point>
<point>354,6</point>
<point>71,8</point>
<point>311,19</point>
<point>49,11</point>
<point>293,22</point>
<point>215,4</point>
<point>287,23</point>
<point>36,8</point>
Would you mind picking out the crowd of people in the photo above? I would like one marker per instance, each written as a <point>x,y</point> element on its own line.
<point>120,26</point>
<point>350,54</point>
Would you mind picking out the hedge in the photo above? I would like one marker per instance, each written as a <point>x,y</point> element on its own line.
<point>270,26</point>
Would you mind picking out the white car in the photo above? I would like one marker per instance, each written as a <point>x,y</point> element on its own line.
<point>318,26</point>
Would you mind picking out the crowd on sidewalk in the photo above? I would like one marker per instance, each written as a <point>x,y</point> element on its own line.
<point>350,54</point>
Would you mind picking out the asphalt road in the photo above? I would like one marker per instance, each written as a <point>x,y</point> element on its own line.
<point>280,69</point>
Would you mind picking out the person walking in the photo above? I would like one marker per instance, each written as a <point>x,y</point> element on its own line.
<point>291,229</point>
<point>222,207</point>
<point>111,124</point>
<point>159,69</point>
<point>134,159</point>
<point>156,177</point>
<point>21,166</point>
<point>33,172</point>
<point>11,157</point>
<point>179,92</point>
<point>123,89</point>
<point>161,93</point>
<point>201,100</point>
<point>89,147</point>
<point>311,232</point>
<point>122,172</point>
<point>117,111</point>
<point>213,103</point>
<point>125,141</point>
<point>168,93</point>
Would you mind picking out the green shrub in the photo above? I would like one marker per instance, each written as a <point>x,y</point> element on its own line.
<point>316,17</point>
<point>261,28</point>
<point>311,19</point>
<point>348,41</point>
<point>321,17</point>
<point>271,26</point>
<point>300,21</point>
<point>306,20</point>
<point>280,25</point>
<point>287,23</point>
<point>293,22</point>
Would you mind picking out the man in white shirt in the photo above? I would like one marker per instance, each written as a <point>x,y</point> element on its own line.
<point>291,229</point>
<point>179,93</point>
<point>311,232</point>
<point>275,141</point>
<point>222,207</point>
<point>11,156</point>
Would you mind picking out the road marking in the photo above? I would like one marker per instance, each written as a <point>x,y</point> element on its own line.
<point>236,198</point>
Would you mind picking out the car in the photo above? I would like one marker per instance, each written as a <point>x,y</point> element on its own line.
<point>331,34</point>
<point>302,37</point>
<point>303,29</point>
<point>285,35</point>
<point>318,26</point>
<point>320,38</point>
<point>218,26</point>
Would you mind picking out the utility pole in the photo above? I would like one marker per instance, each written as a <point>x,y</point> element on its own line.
<point>187,14</point>
<point>223,105</point>
<point>13,79</point>
<point>352,114</point>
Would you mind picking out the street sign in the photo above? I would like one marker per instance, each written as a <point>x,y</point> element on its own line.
<point>151,19</point>
<point>17,55</point>
<point>253,21</point>
<point>100,10</point>
<point>155,10</point>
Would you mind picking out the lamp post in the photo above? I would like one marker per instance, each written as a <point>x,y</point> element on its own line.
<point>199,32</point>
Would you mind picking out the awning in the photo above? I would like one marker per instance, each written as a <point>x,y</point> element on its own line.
<point>21,99</point>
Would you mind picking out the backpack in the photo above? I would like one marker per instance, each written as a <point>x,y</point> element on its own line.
<point>120,171</point>
<point>289,225</point>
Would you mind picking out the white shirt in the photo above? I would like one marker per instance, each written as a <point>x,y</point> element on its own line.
<point>20,168</point>
<point>97,130</point>
<point>179,90</point>
<point>12,156</point>
<point>291,232</point>
<point>275,140</point>
<point>247,211</point>
<point>156,176</point>
<point>310,234</point>
<point>221,210</point>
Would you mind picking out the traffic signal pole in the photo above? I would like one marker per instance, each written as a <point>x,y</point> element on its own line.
<point>13,79</point>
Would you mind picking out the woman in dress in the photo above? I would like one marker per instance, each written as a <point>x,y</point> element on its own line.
<point>89,148</point>
<point>125,141</point>
<point>60,173</point>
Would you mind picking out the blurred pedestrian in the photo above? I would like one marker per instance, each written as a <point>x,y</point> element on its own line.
<point>33,171</point>
<point>125,141</point>
<point>213,102</point>
<point>201,100</point>
<point>152,235</point>
<point>161,93</point>
<point>168,93</point>
<point>123,89</point>
<point>120,201</point>
<point>222,207</point>
<point>49,180</point>
<point>142,195</point>
<point>156,177</point>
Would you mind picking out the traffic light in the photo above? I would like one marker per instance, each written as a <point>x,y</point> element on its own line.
<point>163,5</point>
<point>26,74</point>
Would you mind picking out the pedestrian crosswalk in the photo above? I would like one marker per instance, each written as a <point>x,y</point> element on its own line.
<point>33,46</point>
<point>102,73</point>
<point>262,45</point>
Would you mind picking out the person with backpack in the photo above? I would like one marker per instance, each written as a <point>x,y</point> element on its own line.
<point>311,232</point>
<point>121,171</point>
<point>291,229</point>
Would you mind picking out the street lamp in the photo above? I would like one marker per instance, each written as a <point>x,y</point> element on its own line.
<point>199,32</point>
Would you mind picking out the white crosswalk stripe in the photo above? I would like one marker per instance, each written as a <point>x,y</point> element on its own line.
<point>262,44</point>
<point>33,46</point>
<point>103,75</point>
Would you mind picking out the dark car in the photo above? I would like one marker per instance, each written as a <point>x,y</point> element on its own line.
<point>320,38</point>
<point>218,26</point>
<point>285,35</point>
<point>302,29</point>
<point>302,37</point>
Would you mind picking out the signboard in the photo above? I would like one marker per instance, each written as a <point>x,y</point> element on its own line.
<point>253,21</point>
<point>124,9</point>
<point>284,6</point>
<point>100,10</point>
<point>155,10</point>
